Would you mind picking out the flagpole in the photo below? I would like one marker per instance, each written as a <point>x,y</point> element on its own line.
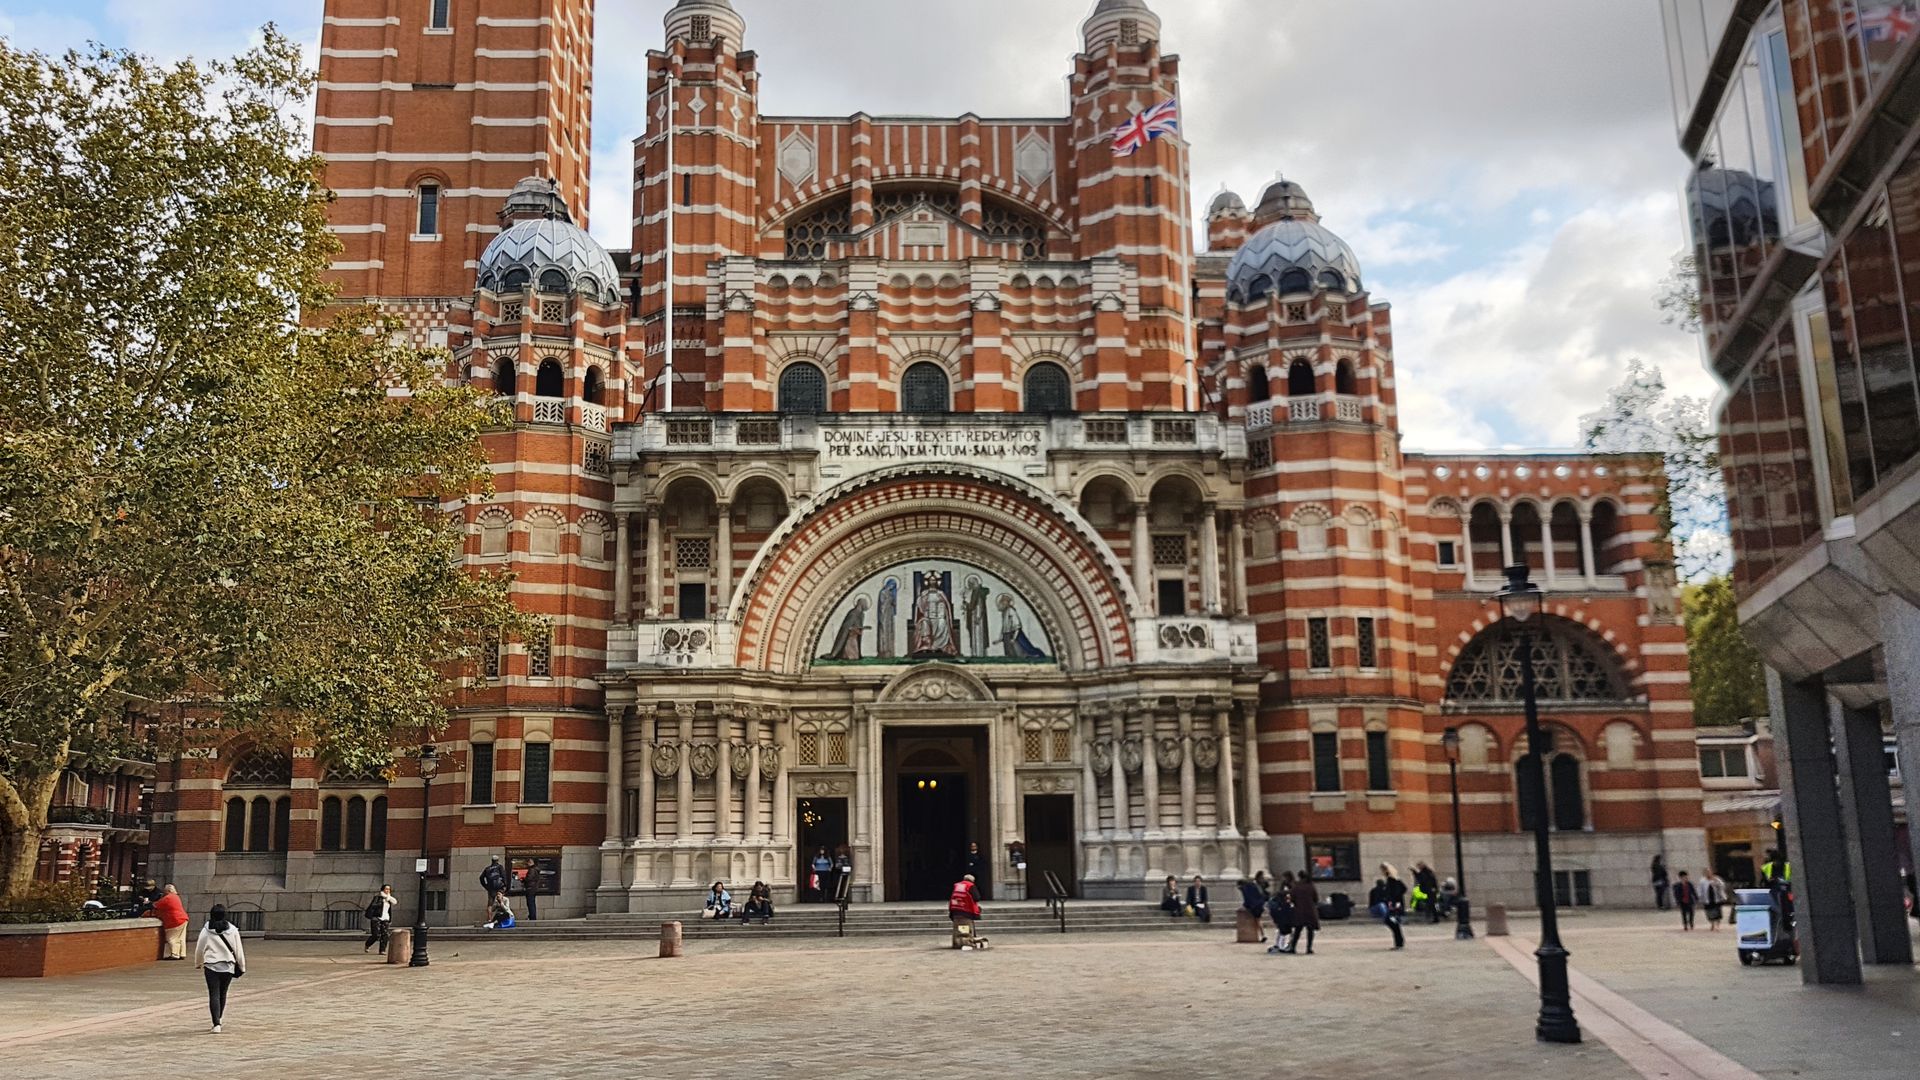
<point>666,371</point>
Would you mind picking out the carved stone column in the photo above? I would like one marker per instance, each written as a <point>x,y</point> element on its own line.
<point>1089,794</point>
<point>1210,559</point>
<point>1255,818</point>
<point>1587,554</point>
<point>723,775</point>
<point>1546,543</point>
<point>683,789</point>
<point>1122,812</point>
<point>1466,546</point>
<point>1506,538</point>
<point>653,562</point>
<point>1189,788</point>
<point>648,719</point>
<point>1142,558</point>
<point>751,831</point>
<point>1224,809</point>
<point>782,802</point>
<point>1237,558</point>
<point>616,781</point>
<point>724,538</point>
<point>623,568</point>
<point>1150,771</point>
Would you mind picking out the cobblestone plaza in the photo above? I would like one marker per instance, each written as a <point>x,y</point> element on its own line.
<point>1654,1002</point>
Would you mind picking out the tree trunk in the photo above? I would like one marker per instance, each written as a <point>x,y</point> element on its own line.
<point>23,818</point>
<point>19,853</point>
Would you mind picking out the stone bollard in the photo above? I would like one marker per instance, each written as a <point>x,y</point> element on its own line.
<point>399,946</point>
<point>1246,927</point>
<point>670,939</point>
<point>1496,920</point>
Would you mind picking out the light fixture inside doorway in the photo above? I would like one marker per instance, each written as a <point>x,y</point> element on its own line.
<point>926,785</point>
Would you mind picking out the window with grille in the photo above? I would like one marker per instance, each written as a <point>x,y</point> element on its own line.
<point>806,748</point>
<point>1129,32</point>
<point>803,390</point>
<point>1032,744</point>
<point>1379,770</point>
<point>593,458</point>
<point>891,203</point>
<point>1062,744</point>
<point>1106,431</point>
<point>1573,888</point>
<point>1010,225</point>
<point>693,553</point>
<point>511,312</point>
<point>836,748</point>
<point>342,919</point>
<point>248,922</point>
<point>554,311</point>
<point>1047,390</point>
<point>540,654</point>
<point>1368,645</point>
<point>809,234</point>
<point>1260,453</point>
<point>490,659</point>
<point>923,389</point>
<point>1170,550</point>
<point>702,29</point>
<point>261,768</point>
<point>536,774</point>
<point>1570,664</point>
<point>480,774</point>
<point>1326,761</point>
<point>1319,645</point>
<point>439,15</point>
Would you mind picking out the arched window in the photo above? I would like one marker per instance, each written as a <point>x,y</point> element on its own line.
<point>1047,390</point>
<point>428,222</point>
<point>260,824</point>
<point>551,382</point>
<point>283,823</point>
<point>1331,279</point>
<point>803,389</point>
<point>553,281</point>
<point>1606,528</point>
<point>1570,665</point>
<point>377,825</point>
<point>1257,388</point>
<point>1296,281</point>
<point>923,389</point>
<point>1343,382</point>
<point>261,768</point>
<point>356,823</point>
<point>595,386</point>
<point>236,839</point>
<point>505,374</point>
<point>330,824</point>
<point>1569,807</point>
<point>1299,379</point>
<point>516,279</point>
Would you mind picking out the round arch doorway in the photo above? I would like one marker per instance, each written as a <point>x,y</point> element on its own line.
<point>937,804</point>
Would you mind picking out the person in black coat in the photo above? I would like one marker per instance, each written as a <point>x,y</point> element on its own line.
<point>1197,899</point>
<point>1393,893</point>
<point>494,880</point>
<point>1657,874</point>
<point>1254,900</point>
<point>1170,898</point>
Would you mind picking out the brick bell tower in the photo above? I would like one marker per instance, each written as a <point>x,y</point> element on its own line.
<point>428,113</point>
<point>1135,209</point>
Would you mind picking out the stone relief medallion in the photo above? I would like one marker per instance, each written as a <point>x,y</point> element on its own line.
<point>817,788</point>
<point>1206,751</point>
<point>705,759</point>
<point>1102,756</point>
<point>1168,752</point>
<point>936,688</point>
<point>742,760</point>
<point>666,759</point>
<point>1131,755</point>
<point>1047,785</point>
<point>770,761</point>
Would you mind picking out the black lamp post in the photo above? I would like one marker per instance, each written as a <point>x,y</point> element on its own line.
<point>1520,603</point>
<point>429,764</point>
<point>1463,928</point>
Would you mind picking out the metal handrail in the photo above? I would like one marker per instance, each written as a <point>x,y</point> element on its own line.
<point>844,896</point>
<point>1058,901</point>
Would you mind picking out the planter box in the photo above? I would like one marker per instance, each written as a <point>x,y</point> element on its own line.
<point>38,950</point>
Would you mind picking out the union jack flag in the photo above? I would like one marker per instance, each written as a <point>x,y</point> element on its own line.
<point>1885,22</point>
<point>1162,119</point>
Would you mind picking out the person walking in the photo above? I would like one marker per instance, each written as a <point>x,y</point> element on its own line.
<point>1197,899</point>
<point>1713,897</point>
<point>220,956</point>
<point>1306,912</point>
<point>494,880</point>
<point>1393,894</point>
<point>1658,875</point>
<point>822,868</point>
<point>1281,908</point>
<point>380,918</point>
<point>1685,896</point>
<point>173,922</point>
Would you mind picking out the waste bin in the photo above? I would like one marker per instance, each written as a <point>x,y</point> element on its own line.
<point>399,946</point>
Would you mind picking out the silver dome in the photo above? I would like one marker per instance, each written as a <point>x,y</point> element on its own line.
<point>532,251</point>
<point>1226,201</point>
<point>1292,256</point>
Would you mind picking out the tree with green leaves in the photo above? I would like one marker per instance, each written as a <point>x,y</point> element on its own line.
<point>219,496</point>
<point>1729,683</point>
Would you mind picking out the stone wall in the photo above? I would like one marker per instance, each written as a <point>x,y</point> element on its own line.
<point>32,951</point>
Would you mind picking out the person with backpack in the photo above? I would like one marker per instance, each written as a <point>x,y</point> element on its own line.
<point>494,880</point>
<point>379,916</point>
<point>1393,894</point>
<point>1713,897</point>
<point>219,954</point>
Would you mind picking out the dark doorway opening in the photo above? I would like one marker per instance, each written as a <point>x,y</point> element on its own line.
<point>937,805</point>
<point>1049,844</point>
<point>823,827</point>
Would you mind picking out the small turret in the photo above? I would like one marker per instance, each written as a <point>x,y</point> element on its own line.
<point>700,22</point>
<point>1130,23</point>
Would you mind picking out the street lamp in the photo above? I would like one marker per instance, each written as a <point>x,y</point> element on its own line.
<point>1520,603</point>
<point>429,764</point>
<point>1463,929</point>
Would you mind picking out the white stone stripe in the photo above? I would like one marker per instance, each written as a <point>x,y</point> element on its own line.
<point>386,155</point>
<point>353,121</point>
<point>458,88</point>
<point>360,54</point>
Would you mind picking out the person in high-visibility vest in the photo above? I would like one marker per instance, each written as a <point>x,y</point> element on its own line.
<point>1785,868</point>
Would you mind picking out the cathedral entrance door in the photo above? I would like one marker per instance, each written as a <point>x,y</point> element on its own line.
<point>1049,843</point>
<point>823,828</point>
<point>936,806</point>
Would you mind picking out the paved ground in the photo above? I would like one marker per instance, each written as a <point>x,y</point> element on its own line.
<point>1111,1005</point>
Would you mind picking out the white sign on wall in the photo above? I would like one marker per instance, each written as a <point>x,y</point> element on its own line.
<point>1007,447</point>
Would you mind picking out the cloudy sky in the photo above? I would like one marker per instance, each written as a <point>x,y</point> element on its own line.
<point>1505,169</point>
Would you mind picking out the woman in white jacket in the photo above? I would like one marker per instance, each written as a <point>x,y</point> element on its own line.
<point>219,954</point>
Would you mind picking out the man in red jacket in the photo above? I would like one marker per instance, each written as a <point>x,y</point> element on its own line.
<point>963,907</point>
<point>173,921</point>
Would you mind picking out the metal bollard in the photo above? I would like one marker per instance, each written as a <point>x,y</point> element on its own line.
<point>670,939</point>
<point>1496,920</point>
